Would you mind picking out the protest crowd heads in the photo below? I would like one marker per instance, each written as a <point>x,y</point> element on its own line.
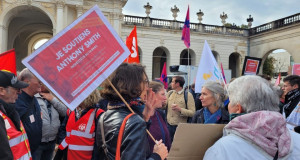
<point>253,93</point>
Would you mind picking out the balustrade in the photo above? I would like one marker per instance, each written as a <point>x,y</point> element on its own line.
<point>162,23</point>
<point>293,19</point>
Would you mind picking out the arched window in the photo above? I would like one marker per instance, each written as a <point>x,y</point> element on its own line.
<point>187,57</point>
<point>159,58</point>
<point>234,64</point>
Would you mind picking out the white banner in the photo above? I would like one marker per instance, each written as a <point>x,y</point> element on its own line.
<point>208,69</point>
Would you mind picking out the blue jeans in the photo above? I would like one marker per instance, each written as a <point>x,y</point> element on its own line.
<point>44,151</point>
<point>172,130</point>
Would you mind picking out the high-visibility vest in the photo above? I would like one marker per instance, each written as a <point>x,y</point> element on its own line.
<point>80,136</point>
<point>18,140</point>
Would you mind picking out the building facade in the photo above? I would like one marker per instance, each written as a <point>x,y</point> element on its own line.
<point>24,22</point>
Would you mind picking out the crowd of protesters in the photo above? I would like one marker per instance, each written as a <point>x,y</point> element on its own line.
<point>128,117</point>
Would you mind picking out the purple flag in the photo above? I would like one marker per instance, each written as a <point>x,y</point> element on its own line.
<point>163,77</point>
<point>186,29</point>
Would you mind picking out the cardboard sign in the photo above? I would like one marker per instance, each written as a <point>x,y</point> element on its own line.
<point>79,58</point>
<point>192,140</point>
<point>251,65</point>
<point>296,69</point>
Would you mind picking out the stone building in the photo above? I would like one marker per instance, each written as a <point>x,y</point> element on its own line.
<point>24,22</point>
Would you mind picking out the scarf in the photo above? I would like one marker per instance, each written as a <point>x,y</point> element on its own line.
<point>135,104</point>
<point>266,129</point>
<point>291,100</point>
<point>211,118</point>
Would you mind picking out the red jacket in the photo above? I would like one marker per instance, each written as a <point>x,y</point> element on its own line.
<point>18,140</point>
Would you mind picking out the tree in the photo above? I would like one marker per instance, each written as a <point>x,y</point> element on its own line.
<point>268,67</point>
<point>244,26</point>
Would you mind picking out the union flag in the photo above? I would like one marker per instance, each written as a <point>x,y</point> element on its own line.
<point>8,61</point>
<point>131,43</point>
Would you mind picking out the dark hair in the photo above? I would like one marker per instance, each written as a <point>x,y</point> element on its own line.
<point>126,79</point>
<point>292,79</point>
<point>180,80</point>
<point>265,76</point>
<point>193,85</point>
<point>156,86</point>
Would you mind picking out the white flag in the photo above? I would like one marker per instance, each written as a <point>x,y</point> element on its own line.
<point>208,69</point>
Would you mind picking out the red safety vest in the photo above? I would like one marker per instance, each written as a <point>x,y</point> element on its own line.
<point>18,140</point>
<point>80,136</point>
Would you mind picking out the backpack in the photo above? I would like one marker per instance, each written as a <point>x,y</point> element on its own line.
<point>189,120</point>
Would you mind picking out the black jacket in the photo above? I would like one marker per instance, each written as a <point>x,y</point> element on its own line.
<point>199,117</point>
<point>30,115</point>
<point>134,144</point>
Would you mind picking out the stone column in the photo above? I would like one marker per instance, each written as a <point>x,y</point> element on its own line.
<point>116,19</point>
<point>148,7</point>
<point>79,10</point>
<point>59,16</point>
<point>3,39</point>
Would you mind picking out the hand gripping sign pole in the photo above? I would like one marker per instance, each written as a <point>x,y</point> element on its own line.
<point>128,107</point>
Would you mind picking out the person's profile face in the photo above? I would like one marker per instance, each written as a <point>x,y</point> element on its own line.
<point>207,98</point>
<point>161,97</point>
<point>35,85</point>
<point>10,94</point>
<point>144,85</point>
<point>288,87</point>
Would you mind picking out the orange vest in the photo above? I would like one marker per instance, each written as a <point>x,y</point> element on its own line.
<point>80,136</point>
<point>18,140</point>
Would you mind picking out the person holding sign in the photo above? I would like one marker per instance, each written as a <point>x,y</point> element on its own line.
<point>212,99</point>
<point>158,127</point>
<point>256,130</point>
<point>131,82</point>
<point>79,128</point>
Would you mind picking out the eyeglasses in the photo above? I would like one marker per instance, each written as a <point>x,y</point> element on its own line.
<point>146,81</point>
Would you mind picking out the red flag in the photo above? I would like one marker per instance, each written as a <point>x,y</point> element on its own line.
<point>223,74</point>
<point>186,29</point>
<point>278,80</point>
<point>163,77</point>
<point>8,61</point>
<point>131,43</point>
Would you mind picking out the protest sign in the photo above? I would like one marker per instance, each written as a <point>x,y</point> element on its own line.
<point>296,69</point>
<point>251,65</point>
<point>79,58</point>
<point>192,140</point>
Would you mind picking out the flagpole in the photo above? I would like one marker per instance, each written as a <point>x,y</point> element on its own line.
<point>188,69</point>
<point>225,85</point>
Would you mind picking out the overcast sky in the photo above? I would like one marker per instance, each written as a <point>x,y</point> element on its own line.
<point>263,11</point>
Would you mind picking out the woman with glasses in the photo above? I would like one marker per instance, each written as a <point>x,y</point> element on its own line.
<point>132,83</point>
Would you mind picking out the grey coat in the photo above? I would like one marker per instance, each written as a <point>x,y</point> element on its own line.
<point>50,127</point>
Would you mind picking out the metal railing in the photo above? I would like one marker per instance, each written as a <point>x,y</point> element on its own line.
<point>290,20</point>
